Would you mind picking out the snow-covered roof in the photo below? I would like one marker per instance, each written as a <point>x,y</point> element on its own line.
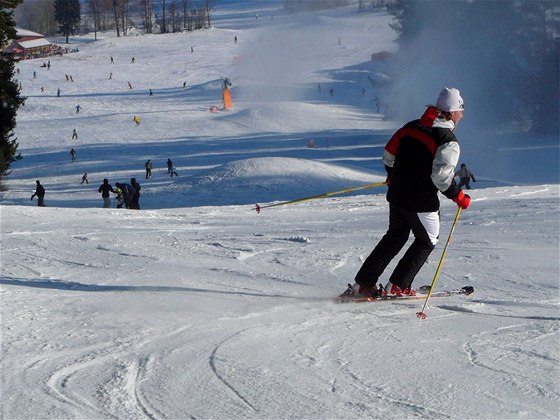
<point>34,43</point>
<point>20,33</point>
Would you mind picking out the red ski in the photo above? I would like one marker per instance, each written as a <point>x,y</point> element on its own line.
<point>421,293</point>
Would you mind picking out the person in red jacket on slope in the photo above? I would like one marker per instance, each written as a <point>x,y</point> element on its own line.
<point>420,160</point>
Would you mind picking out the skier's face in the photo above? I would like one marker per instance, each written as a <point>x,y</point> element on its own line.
<point>456,116</point>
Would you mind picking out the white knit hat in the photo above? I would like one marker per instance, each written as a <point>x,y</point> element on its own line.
<point>450,100</point>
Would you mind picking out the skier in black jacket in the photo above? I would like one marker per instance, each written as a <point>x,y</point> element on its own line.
<point>40,193</point>
<point>135,200</point>
<point>104,189</point>
<point>420,160</point>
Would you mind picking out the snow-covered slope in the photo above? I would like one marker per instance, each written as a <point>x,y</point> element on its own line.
<point>285,178</point>
<point>219,312</point>
<point>197,306</point>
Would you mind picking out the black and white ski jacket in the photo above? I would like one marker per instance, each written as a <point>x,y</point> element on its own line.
<point>420,161</point>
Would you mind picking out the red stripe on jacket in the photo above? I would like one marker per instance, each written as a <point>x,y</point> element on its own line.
<point>394,143</point>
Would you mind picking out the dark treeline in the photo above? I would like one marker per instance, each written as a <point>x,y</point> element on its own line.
<point>152,16</point>
<point>504,56</point>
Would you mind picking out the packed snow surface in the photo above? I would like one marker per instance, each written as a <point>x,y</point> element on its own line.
<point>198,307</point>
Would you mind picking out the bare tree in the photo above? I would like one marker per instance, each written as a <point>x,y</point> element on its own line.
<point>147,7</point>
<point>163,23</point>
<point>361,6</point>
<point>116,9</point>
<point>124,15</point>
<point>185,13</point>
<point>198,19</point>
<point>106,19</point>
<point>120,15</point>
<point>95,7</point>
<point>175,16</point>
<point>209,6</point>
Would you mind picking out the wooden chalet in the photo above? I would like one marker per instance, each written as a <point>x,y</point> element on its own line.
<point>29,44</point>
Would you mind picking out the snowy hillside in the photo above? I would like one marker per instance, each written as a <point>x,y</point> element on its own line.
<point>197,306</point>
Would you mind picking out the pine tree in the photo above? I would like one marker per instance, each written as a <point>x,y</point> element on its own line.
<point>10,99</point>
<point>67,14</point>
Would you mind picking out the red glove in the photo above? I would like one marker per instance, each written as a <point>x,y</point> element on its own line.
<point>463,200</point>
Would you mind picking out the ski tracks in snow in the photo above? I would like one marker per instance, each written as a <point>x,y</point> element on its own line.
<point>212,361</point>
<point>112,373</point>
<point>495,354</point>
<point>325,368</point>
<point>119,389</point>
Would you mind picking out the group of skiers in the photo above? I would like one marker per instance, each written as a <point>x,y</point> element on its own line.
<point>127,194</point>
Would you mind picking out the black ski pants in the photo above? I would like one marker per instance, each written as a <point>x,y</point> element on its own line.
<point>424,226</point>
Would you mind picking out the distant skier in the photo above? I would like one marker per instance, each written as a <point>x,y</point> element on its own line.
<point>148,166</point>
<point>227,84</point>
<point>465,176</point>
<point>136,120</point>
<point>129,85</point>
<point>84,179</point>
<point>40,193</point>
<point>104,189</point>
<point>73,155</point>
<point>377,104</point>
<point>74,134</point>
<point>169,165</point>
<point>78,108</point>
<point>135,200</point>
<point>58,93</point>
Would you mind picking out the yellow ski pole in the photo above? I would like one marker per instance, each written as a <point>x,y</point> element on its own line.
<point>347,190</point>
<point>422,314</point>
